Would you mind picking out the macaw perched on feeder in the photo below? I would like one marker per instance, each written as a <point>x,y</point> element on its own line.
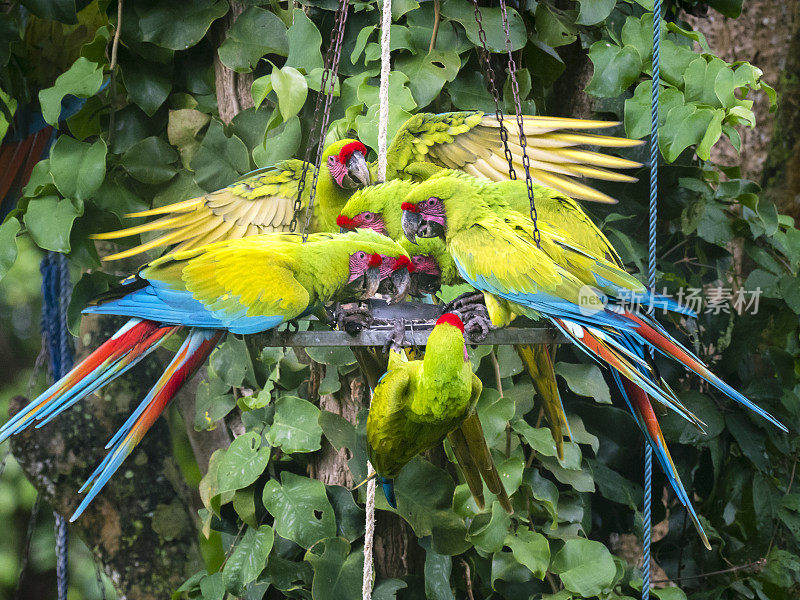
<point>494,250</point>
<point>418,403</point>
<point>470,141</point>
<point>378,208</point>
<point>239,286</point>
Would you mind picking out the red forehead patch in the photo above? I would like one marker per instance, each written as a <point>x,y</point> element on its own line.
<point>375,260</point>
<point>345,222</point>
<point>410,207</point>
<point>348,149</point>
<point>451,319</point>
<point>403,261</point>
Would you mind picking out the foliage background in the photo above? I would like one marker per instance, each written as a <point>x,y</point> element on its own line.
<point>151,133</point>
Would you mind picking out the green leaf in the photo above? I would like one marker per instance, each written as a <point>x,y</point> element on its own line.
<point>337,356</point>
<point>349,515</point>
<point>337,572</point>
<point>230,361</point>
<point>8,244</point>
<point>544,491</point>
<point>615,69</point>
<point>248,559</point>
<point>301,509</point>
<point>243,462</point>
<point>425,499</point>
<point>82,79</point>
<point>594,11</point>
<point>427,73</point>
<point>637,111</point>
<point>148,84</point>
<point>683,126</point>
<point>180,25</point>
<point>150,161</point>
<point>212,587</point>
<point>488,531</point>
<point>553,29</point>
<point>260,89</point>
<point>77,168</point>
<point>492,20</point>
<point>495,412</point>
<point>539,439</point>
<point>585,567</point>
<point>468,92</point>
<point>438,568</point>
<point>531,549</point>
<point>291,89</point>
<point>639,34</point>
<point>295,427</point>
<point>212,402</point>
<point>220,160</point>
<point>585,380</point>
<point>305,42</point>
<point>63,11</point>
<point>182,129</point>
<point>49,221</point>
<point>730,8</point>
<point>255,32</point>
<point>339,431</point>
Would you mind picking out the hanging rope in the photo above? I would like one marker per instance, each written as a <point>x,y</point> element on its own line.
<point>383,130</point>
<point>651,282</point>
<point>56,292</point>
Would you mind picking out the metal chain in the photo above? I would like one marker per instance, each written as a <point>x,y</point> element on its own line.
<point>498,112</point>
<point>523,140</point>
<point>329,74</point>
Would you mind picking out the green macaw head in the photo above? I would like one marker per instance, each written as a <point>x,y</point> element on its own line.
<point>376,207</point>
<point>378,265</point>
<point>442,206</point>
<point>347,163</point>
<point>433,265</point>
<point>446,339</point>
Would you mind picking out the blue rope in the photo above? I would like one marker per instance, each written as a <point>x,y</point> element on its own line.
<point>647,517</point>
<point>56,292</point>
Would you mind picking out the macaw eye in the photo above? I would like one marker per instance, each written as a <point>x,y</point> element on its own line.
<point>368,216</point>
<point>432,201</point>
<point>362,255</point>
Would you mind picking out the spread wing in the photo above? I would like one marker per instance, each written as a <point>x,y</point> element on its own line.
<point>470,141</point>
<point>260,203</point>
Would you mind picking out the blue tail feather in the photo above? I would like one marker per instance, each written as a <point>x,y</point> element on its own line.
<point>388,490</point>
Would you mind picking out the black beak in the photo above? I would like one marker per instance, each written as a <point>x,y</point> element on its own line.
<point>430,229</point>
<point>424,283</point>
<point>358,169</point>
<point>401,279</point>
<point>411,222</point>
<point>372,280</point>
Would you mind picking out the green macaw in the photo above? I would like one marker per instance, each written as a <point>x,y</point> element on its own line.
<point>263,201</point>
<point>562,281</point>
<point>238,286</point>
<point>418,403</point>
<point>378,208</point>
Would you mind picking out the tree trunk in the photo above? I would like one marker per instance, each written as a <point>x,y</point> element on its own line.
<point>781,177</point>
<point>233,89</point>
<point>140,527</point>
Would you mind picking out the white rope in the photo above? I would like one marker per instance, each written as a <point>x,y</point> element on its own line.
<point>383,119</point>
<point>383,129</point>
<point>369,531</point>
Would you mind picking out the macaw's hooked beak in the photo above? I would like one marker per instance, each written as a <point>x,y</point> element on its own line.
<point>401,280</point>
<point>372,280</point>
<point>358,170</point>
<point>411,222</point>
<point>425,283</point>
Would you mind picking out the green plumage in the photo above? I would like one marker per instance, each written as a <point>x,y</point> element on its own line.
<point>418,403</point>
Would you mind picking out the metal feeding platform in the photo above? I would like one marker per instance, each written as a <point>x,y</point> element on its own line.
<point>419,320</point>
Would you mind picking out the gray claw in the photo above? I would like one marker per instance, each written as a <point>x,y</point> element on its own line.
<point>397,338</point>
